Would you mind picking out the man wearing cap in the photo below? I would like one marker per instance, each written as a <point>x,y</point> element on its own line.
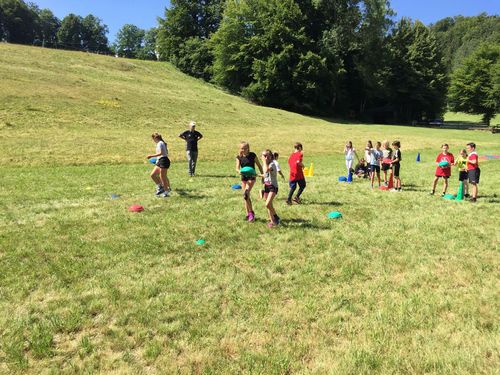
<point>191,137</point>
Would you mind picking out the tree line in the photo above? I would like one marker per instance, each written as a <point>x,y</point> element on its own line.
<point>26,23</point>
<point>345,57</point>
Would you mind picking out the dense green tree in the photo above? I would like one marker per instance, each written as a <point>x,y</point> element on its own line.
<point>149,49</point>
<point>18,22</point>
<point>183,36</point>
<point>460,36</point>
<point>129,41</point>
<point>93,34</point>
<point>417,79</point>
<point>48,26</point>
<point>69,35</point>
<point>475,87</point>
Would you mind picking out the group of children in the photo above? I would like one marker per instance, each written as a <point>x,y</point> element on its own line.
<point>269,170</point>
<point>379,158</point>
<point>468,169</point>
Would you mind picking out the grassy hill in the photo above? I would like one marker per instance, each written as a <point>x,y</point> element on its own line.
<point>77,108</point>
<point>404,283</point>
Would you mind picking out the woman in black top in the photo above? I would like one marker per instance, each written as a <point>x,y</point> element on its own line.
<point>246,158</point>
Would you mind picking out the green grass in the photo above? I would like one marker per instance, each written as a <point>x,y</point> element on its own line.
<point>404,283</point>
<point>465,117</point>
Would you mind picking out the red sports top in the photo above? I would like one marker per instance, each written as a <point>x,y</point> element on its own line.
<point>296,172</point>
<point>446,172</point>
<point>472,156</point>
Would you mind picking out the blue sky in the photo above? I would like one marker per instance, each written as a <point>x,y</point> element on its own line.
<point>116,13</point>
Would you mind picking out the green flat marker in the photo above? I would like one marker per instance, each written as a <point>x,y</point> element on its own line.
<point>200,242</point>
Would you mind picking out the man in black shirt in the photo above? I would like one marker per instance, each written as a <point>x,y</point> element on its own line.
<point>191,137</point>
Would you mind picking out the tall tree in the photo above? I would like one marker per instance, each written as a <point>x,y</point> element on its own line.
<point>48,26</point>
<point>18,22</point>
<point>149,50</point>
<point>475,87</point>
<point>69,35</point>
<point>129,41</point>
<point>417,79</point>
<point>94,37</point>
<point>183,36</point>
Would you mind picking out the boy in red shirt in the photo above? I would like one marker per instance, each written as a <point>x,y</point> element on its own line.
<point>445,170</point>
<point>473,170</point>
<point>296,173</point>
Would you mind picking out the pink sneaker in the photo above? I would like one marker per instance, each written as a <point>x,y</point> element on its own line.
<point>270,225</point>
<point>251,216</point>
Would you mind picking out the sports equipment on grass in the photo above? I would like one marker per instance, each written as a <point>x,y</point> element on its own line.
<point>460,193</point>
<point>152,160</point>
<point>342,179</point>
<point>449,196</point>
<point>136,208</point>
<point>115,196</point>
<point>349,177</point>
<point>418,157</point>
<point>236,186</point>
<point>248,172</point>
<point>391,183</point>
<point>201,242</point>
<point>334,215</point>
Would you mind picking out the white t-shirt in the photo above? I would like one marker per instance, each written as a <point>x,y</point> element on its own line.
<point>271,176</point>
<point>161,147</point>
<point>349,153</point>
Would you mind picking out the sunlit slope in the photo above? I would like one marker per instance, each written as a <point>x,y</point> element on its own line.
<point>61,107</point>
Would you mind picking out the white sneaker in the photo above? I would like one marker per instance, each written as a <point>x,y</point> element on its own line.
<point>166,194</point>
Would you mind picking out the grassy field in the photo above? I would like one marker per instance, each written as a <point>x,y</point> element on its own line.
<point>404,283</point>
<point>465,117</point>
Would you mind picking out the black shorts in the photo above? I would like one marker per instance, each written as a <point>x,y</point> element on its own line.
<point>247,178</point>
<point>375,168</point>
<point>445,177</point>
<point>463,176</point>
<point>270,189</point>
<point>396,167</point>
<point>163,163</point>
<point>386,167</point>
<point>474,175</point>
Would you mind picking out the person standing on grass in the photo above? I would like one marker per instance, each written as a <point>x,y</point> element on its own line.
<point>473,170</point>
<point>396,164</point>
<point>191,136</point>
<point>278,169</point>
<point>373,157</point>
<point>246,158</point>
<point>159,173</point>
<point>296,174</point>
<point>461,163</point>
<point>349,153</point>
<point>443,171</point>
<point>270,186</point>
<point>386,160</point>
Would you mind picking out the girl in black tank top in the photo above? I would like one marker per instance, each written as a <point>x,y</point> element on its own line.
<point>246,158</point>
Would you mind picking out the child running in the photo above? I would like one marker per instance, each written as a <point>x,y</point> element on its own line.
<point>159,173</point>
<point>443,171</point>
<point>246,158</point>
<point>350,153</point>
<point>296,174</point>
<point>386,159</point>
<point>270,186</point>
<point>461,163</point>
<point>396,164</point>
<point>473,170</point>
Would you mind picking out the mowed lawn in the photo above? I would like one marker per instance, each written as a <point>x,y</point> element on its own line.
<point>404,283</point>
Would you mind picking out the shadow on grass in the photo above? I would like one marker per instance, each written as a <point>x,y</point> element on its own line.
<point>187,193</point>
<point>315,203</point>
<point>216,176</point>
<point>303,224</point>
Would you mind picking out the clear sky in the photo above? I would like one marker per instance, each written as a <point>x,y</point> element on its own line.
<point>116,13</point>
